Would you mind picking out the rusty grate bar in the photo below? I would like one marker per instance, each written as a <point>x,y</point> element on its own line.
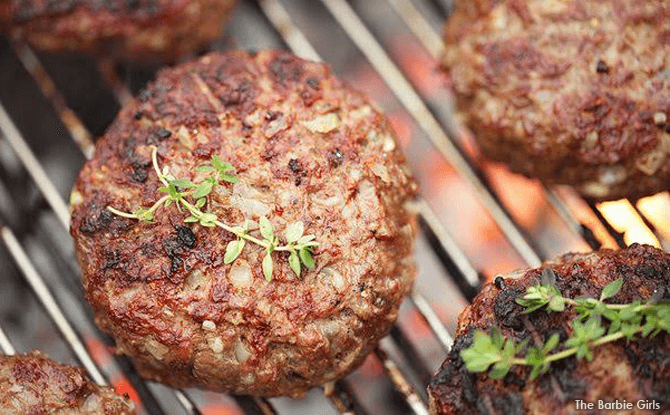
<point>394,373</point>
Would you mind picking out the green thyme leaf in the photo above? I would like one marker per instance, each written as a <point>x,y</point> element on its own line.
<point>186,184</point>
<point>294,231</point>
<point>233,250</point>
<point>267,266</point>
<point>200,203</point>
<point>266,228</point>
<point>228,178</point>
<point>306,258</point>
<point>191,219</point>
<point>481,354</point>
<point>611,289</point>
<point>294,263</point>
<point>203,189</point>
<point>144,214</point>
<point>205,168</point>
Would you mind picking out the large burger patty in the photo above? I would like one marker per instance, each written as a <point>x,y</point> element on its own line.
<point>633,371</point>
<point>34,384</point>
<point>571,92</point>
<point>131,29</point>
<point>305,147</point>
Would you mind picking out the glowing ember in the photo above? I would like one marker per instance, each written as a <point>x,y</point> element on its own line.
<point>623,217</point>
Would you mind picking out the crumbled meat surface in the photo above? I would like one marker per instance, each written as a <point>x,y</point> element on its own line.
<point>633,371</point>
<point>162,289</point>
<point>145,30</point>
<point>570,92</point>
<point>34,384</point>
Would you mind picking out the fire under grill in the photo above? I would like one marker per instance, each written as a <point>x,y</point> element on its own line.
<point>476,218</point>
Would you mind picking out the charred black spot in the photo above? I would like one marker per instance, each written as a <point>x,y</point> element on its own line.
<point>96,220</point>
<point>469,386</point>
<point>507,311</point>
<point>499,282</point>
<point>296,375</point>
<point>601,67</point>
<point>238,95</point>
<point>113,259</point>
<point>138,115</point>
<point>564,371</point>
<point>186,236</point>
<point>312,82</point>
<point>174,250</point>
<point>294,165</point>
<point>132,4</point>
<point>632,357</point>
<point>645,371</point>
<point>562,335</point>
<point>286,68</point>
<point>163,134</point>
<point>510,403</point>
<point>512,379</point>
<point>336,157</point>
<point>139,175</point>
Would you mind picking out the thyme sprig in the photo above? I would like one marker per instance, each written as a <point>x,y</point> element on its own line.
<point>588,330</point>
<point>191,197</point>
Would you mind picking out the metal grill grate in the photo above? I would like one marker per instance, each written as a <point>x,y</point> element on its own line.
<point>358,31</point>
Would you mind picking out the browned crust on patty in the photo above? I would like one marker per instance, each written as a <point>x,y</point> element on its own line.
<point>162,289</point>
<point>144,30</point>
<point>34,384</point>
<point>570,92</point>
<point>637,370</point>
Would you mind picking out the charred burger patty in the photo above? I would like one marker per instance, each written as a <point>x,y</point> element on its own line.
<point>34,384</point>
<point>305,147</point>
<point>570,92</point>
<point>131,29</point>
<point>633,371</point>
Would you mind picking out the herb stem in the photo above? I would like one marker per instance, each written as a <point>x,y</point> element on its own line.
<point>122,214</point>
<point>198,214</point>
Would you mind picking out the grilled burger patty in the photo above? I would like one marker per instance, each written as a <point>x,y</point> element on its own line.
<point>34,384</point>
<point>571,92</point>
<point>130,29</point>
<point>306,147</point>
<point>622,370</point>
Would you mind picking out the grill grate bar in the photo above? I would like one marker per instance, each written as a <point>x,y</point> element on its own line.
<point>616,235</point>
<point>294,37</point>
<point>394,373</point>
<point>50,304</point>
<point>408,349</point>
<point>429,315</point>
<point>254,405</point>
<point>34,168</point>
<point>575,225</point>
<point>79,133</point>
<point>398,83</point>
<point>107,69</point>
<point>6,345</point>
<point>462,271</point>
<point>341,397</point>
